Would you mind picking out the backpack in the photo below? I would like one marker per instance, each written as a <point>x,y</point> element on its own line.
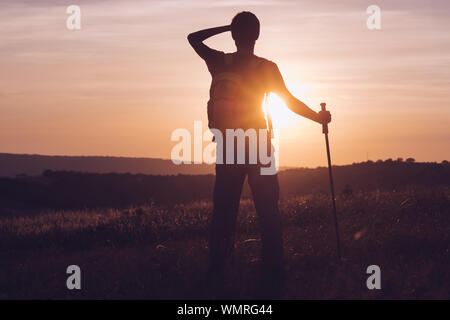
<point>227,104</point>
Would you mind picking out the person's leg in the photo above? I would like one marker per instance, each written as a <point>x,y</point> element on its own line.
<point>265,191</point>
<point>227,194</point>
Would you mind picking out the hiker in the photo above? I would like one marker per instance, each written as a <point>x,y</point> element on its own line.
<point>240,81</point>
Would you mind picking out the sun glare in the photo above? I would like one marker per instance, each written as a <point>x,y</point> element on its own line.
<point>282,116</point>
<point>279,112</point>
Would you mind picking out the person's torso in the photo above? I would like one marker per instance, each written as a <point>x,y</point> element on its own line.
<point>250,70</point>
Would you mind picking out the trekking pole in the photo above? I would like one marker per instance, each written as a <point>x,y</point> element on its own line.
<point>325,131</point>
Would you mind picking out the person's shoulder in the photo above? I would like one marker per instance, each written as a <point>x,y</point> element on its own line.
<point>266,61</point>
<point>214,60</point>
<point>216,54</point>
<point>267,64</point>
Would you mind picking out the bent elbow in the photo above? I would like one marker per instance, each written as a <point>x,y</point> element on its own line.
<point>190,38</point>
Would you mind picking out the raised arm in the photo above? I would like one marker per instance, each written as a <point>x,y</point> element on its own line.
<point>196,40</point>
<point>297,106</point>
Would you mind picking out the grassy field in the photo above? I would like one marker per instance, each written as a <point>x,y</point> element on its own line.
<point>161,252</point>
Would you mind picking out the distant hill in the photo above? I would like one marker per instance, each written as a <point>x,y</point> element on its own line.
<point>12,165</point>
<point>70,189</point>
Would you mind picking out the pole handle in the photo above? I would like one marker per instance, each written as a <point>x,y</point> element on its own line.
<point>324,126</point>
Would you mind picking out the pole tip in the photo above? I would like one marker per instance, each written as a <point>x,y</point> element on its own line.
<point>323,104</point>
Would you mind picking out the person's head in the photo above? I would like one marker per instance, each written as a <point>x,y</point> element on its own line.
<point>245,28</point>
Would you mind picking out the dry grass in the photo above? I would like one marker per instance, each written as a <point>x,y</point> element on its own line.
<point>161,252</point>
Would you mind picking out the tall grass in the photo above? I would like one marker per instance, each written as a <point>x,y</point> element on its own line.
<point>155,252</point>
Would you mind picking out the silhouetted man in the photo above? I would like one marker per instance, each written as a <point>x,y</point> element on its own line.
<point>240,80</point>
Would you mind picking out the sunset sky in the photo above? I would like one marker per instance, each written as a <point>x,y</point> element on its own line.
<point>128,78</point>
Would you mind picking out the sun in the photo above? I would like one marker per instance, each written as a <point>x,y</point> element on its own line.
<point>282,116</point>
